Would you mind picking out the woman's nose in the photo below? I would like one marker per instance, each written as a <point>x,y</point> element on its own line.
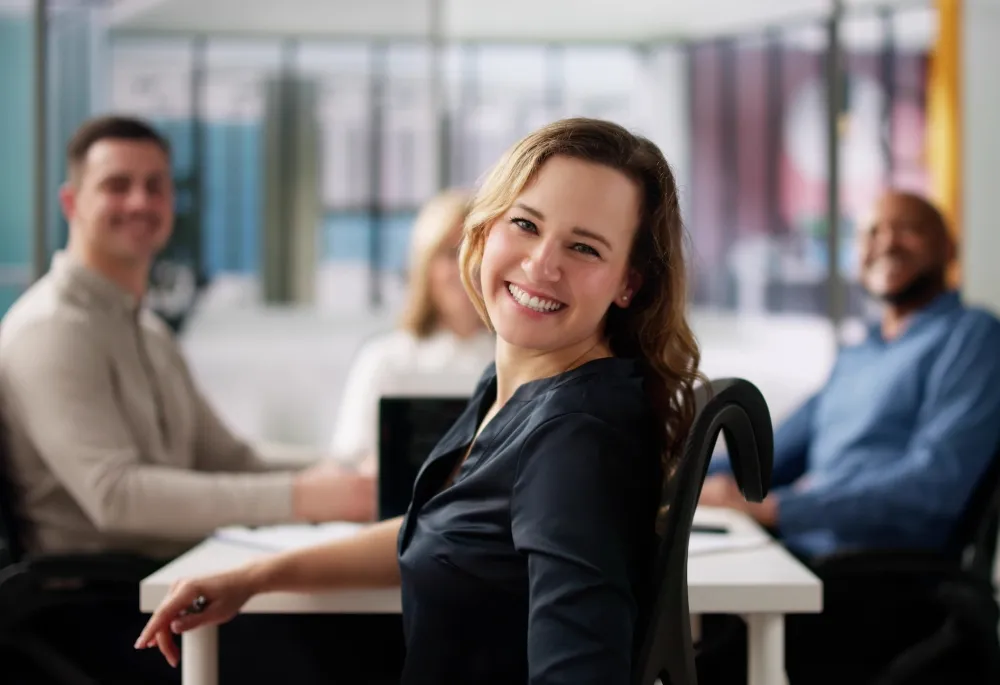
<point>542,263</point>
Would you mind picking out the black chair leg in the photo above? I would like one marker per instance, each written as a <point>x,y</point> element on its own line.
<point>910,665</point>
<point>914,665</point>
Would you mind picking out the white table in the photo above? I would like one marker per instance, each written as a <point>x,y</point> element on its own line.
<point>761,583</point>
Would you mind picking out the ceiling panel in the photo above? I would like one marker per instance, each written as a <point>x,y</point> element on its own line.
<point>557,20</point>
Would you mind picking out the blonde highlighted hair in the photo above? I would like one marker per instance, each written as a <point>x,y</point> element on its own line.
<point>653,328</point>
<point>437,221</point>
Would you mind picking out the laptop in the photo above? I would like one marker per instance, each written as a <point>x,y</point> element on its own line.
<point>409,429</point>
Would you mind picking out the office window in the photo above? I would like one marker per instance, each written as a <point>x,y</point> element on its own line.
<point>507,102</point>
<point>664,97</point>
<point>458,87</point>
<point>152,79</point>
<point>759,155</point>
<point>603,82</point>
<point>802,255</point>
<point>344,73</point>
<point>410,132</point>
<point>758,171</point>
<point>913,31</point>
<point>233,112</point>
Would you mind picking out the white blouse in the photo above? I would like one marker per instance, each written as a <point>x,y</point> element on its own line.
<point>389,357</point>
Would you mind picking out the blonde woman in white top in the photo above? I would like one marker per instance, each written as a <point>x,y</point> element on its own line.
<point>440,331</point>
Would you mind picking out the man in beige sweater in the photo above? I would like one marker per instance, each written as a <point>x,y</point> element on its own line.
<point>111,445</point>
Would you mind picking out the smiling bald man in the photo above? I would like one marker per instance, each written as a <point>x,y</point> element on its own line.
<point>887,454</point>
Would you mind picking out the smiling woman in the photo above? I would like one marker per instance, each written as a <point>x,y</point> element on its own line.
<point>579,224</point>
<point>527,550</point>
<point>557,258</point>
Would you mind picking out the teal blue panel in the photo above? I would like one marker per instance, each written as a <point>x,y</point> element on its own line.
<point>346,237</point>
<point>16,154</point>
<point>16,132</point>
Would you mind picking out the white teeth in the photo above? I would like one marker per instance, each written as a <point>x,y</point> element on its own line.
<point>532,302</point>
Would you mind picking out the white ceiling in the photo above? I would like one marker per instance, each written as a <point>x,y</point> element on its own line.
<point>555,20</point>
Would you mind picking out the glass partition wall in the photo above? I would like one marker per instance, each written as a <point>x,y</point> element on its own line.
<point>760,161</point>
<point>742,118</point>
<point>17,130</point>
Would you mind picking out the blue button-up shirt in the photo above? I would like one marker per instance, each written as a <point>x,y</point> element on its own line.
<point>895,442</point>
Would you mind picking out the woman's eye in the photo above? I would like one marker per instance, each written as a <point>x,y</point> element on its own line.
<point>524,224</point>
<point>586,249</point>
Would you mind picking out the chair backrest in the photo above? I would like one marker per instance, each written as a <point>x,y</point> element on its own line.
<point>11,544</point>
<point>974,538</point>
<point>737,409</point>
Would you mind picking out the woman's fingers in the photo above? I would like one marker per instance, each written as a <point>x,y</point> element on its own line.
<point>168,610</point>
<point>189,605</point>
<point>186,622</point>
<point>165,641</point>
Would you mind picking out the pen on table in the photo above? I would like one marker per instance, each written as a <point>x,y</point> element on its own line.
<point>714,530</point>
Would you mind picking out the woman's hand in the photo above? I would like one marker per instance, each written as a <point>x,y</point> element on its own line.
<point>223,596</point>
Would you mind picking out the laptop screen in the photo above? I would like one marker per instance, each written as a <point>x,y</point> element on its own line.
<point>409,428</point>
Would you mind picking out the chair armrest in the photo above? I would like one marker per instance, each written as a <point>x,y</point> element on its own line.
<point>890,562</point>
<point>33,585</point>
<point>88,568</point>
<point>881,577</point>
<point>882,581</point>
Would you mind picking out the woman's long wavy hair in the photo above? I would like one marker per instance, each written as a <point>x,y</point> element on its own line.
<point>654,327</point>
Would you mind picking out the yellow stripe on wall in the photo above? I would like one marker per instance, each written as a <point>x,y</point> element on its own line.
<point>944,117</point>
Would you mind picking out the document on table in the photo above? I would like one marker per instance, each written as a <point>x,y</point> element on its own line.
<point>288,537</point>
<point>297,536</point>
<point>710,543</point>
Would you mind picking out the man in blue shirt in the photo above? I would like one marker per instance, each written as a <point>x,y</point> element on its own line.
<point>888,452</point>
<point>885,455</point>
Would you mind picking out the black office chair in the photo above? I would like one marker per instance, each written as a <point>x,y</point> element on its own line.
<point>957,583</point>
<point>737,409</point>
<point>31,586</point>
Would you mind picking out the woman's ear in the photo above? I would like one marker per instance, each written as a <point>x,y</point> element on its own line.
<point>632,284</point>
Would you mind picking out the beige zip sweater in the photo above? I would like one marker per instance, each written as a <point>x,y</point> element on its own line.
<point>110,443</point>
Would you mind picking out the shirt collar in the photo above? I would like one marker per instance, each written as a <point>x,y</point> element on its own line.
<point>91,287</point>
<point>944,303</point>
<point>613,366</point>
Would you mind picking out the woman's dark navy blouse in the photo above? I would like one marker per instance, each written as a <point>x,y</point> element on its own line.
<point>532,566</point>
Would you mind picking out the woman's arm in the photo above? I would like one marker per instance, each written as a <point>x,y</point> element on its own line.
<point>367,559</point>
<point>573,515</point>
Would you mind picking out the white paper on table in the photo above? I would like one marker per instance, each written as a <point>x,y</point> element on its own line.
<point>288,537</point>
<point>296,536</point>
<point>708,543</point>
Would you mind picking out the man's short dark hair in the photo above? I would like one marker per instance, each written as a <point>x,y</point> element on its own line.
<point>109,127</point>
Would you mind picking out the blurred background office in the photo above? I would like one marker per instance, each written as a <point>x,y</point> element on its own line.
<point>308,133</point>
